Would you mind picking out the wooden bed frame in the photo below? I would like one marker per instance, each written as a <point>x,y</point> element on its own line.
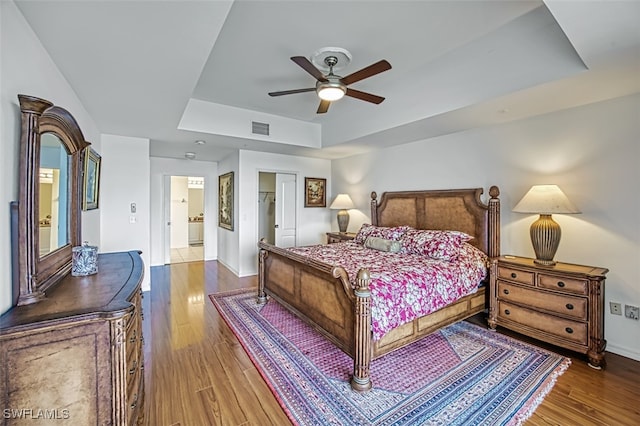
<point>322,295</point>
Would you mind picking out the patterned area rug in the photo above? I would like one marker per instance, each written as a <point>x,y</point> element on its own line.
<point>461,375</point>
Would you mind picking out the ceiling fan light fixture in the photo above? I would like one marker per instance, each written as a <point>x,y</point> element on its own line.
<point>331,91</point>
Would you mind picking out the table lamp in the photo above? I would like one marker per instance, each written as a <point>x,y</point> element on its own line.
<point>545,232</point>
<point>342,203</point>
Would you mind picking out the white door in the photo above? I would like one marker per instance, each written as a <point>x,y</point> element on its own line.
<point>285,210</point>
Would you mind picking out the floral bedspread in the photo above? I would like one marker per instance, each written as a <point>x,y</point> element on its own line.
<point>404,286</point>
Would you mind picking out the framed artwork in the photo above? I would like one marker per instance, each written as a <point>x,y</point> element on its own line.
<point>91,180</point>
<point>315,194</point>
<point>225,201</point>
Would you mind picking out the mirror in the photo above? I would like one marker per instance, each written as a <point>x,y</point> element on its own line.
<point>53,203</point>
<point>48,211</point>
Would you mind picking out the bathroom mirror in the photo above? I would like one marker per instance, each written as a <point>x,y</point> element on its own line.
<point>48,213</point>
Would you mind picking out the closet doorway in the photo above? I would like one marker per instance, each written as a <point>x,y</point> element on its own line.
<point>186,219</point>
<point>277,221</point>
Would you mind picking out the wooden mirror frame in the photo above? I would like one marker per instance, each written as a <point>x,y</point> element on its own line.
<point>36,274</point>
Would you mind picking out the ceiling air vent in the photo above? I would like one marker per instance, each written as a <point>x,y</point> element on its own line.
<point>259,128</point>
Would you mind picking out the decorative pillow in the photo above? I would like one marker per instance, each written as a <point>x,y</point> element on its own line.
<point>388,233</point>
<point>440,245</point>
<point>473,256</point>
<point>382,244</point>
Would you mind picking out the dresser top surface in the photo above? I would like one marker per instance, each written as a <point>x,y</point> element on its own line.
<point>559,267</point>
<point>103,294</point>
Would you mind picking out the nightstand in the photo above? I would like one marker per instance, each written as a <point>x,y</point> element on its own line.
<point>338,237</point>
<point>561,304</point>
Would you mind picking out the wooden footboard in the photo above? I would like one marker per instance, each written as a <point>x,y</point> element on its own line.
<point>322,296</point>
<point>318,293</point>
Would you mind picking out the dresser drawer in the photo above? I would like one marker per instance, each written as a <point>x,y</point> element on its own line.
<point>570,330</point>
<point>565,284</point>
<point>134,400</point>
<point>133,372</point>
<point>133,341</point>
<point>516,275</point>
<point>570,306</point>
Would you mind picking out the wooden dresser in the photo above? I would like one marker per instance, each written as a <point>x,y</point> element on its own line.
<point>77,355</point>
<point>561,304</point>
<point>337,237</point>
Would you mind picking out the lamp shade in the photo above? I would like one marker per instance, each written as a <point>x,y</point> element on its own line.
<point>342,202</point>
<point>545,199</point>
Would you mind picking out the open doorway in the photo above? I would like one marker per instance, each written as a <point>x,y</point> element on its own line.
<point>267,207</point>
<point>277,208</point>
<point>186,219</point>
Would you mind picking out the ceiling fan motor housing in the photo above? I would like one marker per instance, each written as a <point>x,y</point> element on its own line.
<point>332,89</point>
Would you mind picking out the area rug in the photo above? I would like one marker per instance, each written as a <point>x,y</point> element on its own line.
<point>461,375</point>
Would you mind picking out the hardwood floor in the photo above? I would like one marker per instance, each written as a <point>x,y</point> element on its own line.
<point>197,373</point>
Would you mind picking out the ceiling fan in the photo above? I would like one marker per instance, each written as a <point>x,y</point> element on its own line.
<point>331,87</point>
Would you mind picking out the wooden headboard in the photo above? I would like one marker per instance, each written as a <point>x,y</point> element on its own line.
<point>447,209</point>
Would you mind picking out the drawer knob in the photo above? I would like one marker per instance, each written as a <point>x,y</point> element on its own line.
<point>505,291</point>
<point>569,306</point>
<point>514,275</point>
<point>569,330</point>
<point>507,312</point>
<point>560,284</point>
<point>135,401</point>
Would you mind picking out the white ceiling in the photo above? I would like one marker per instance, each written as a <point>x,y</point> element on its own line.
<point>137,65</point>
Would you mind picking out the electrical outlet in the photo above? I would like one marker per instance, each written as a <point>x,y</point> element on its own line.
<point>616,308</point>
<point>632,312</point>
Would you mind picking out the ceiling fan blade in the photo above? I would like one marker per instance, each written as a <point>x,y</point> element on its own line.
<point>366,72</point>
<point>306,65</point>
<point>323,107</point>
<point>364,96</point>
<point>291,92</point>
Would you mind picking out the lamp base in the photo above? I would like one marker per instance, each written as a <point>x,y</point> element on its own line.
<point>544,262</point>
<point>343,220</point>
<point>545,237</point>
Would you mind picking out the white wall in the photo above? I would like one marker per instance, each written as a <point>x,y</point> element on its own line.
<point>196,202</point>
<point>26,68</point>
<point>125,179</point>
<point>312,223</point>
<point>591,152</point>
<point>161,167</point>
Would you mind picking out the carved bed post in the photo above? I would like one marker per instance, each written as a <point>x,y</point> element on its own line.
<point>262,296</point>
<point>493,250</point>
<point>361,380</point>
<point>374,208</point>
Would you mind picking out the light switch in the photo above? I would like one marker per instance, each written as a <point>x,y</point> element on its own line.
<point>133,207</point>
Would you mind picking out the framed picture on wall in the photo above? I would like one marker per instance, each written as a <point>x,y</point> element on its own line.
<point>91,181</point>
<point>225,201</point>
<point>315,194</point>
